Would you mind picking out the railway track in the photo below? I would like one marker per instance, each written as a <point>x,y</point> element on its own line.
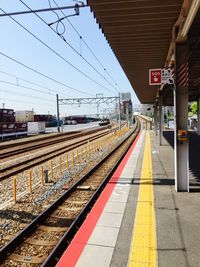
<point>28,140</point>
<point>26,164</point>
<point>25,146</point>
<point>42,241</point>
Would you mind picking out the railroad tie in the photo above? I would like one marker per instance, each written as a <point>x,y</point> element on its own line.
<point>40,242</point>
<point>83,187</point>
<point>52,228</point>
<point>26,259</point>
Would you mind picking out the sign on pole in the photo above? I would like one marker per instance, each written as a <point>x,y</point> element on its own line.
<point>161,76</point>
<point>167,76</point>
<point>155,76</point>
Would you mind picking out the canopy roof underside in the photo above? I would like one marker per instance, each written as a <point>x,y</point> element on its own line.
<point>139,33</point>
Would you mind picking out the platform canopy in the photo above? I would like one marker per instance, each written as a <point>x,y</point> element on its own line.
<point>139,33</point>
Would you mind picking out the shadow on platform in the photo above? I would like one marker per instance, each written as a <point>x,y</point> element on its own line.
<point>138,181</point>
<point>194,157</point>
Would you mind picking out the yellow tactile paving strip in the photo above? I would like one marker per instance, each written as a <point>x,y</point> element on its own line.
<point>143,248</point>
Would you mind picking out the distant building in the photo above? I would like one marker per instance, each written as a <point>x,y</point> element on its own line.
<point>146,109</point>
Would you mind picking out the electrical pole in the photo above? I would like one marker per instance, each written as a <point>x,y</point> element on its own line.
<point>97,110</point>
<point>58,115</point>
<point>127,114</point>
<point>119,114</point>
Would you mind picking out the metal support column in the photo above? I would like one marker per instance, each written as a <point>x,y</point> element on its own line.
<point>155,118</point>
<point>127,115</point>
<point>58,113</point>
<point>181,148</point>
<point>160,120</point>
<point>119,112</point>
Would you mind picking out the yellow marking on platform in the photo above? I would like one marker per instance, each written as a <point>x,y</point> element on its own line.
<point>143,248</point>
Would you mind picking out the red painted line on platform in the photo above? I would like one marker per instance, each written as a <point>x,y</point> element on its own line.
<point>73,252</point>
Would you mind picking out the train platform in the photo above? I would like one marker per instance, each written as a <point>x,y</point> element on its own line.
<point>139,219</point>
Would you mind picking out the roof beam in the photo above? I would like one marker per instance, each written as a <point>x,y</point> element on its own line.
<point>142,39</point>
<point>134,20</point>
<point>150,22</point>
<point>134,12</point>
<point>137,28</point>
<point>100,5</point>
<point>139,16</point>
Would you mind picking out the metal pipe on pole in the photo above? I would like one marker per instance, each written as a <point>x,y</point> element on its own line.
<point>119,114</point>
<point>160,120</point>
<point>198,115</point>
<point>41,10</point>
<point>58,114</point>
<point>127,115</point>
<point>155,118</point>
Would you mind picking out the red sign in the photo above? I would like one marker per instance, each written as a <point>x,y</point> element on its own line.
<point>155,76</point>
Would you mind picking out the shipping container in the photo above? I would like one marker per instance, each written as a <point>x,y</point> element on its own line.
<point>38,117</point>
<point>36,127</point>
<point>50,118</point>
<point>53,123</point>
<point>24,116</point>
<point>6,111</point>
<point>77,119</point>
<point>21,126</point>
<point>7,127</point>
<point>81,120</point>
<point>7,118</point>
<point>43,117</point>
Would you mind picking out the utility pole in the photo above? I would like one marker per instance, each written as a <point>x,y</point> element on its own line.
<point>97,110</point>
<point>58,115</point>
<point>127,114</point>
<point>119,114</point>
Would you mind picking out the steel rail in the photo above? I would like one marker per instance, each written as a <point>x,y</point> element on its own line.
<point>32,162</point>
<point>28,141</point>
<point>56,140</point>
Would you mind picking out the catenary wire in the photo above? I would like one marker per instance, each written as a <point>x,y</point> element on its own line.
<point>25,95</point>
<point>60,35</point>
<point>26,87</point>
<point>56,53</point>
<point>59,22</point>
<point>27,102</point>
<point>42,74</point>
<point>33,83</point>
<point>91,51</point>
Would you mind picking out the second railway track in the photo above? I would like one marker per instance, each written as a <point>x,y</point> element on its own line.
<point>25,146</point>
<point>26,164</point>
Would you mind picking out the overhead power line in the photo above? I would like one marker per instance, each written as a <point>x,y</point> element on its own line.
<point>26,102</point>
<point>56,53</point>
<point>25,95</point>
<point>43,10</point>
<point>42,74</point>
<point>88,47</point>
<point>60,35</point>
<point>30,82</point>
<point>26,87</point>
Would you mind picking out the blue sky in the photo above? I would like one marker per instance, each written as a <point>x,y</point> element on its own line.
<point>20,45</point>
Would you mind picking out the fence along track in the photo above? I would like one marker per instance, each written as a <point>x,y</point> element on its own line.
<point>58,223</point>
<point>32,162</point>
